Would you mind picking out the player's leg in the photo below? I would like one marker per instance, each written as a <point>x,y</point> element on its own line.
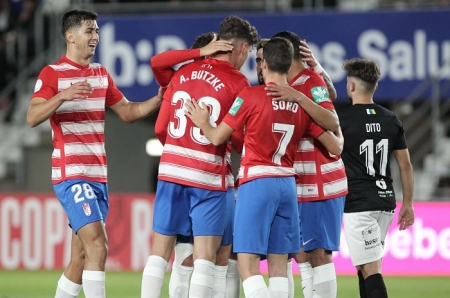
<point>86,204</point>
<point>69,284</point>
<point>208,215</point>
<point>170,217</point>
<point>183,265</point>
<point>233,279</point>
<point>255,204</point>
<point>223,254</point>
<point>373,278</point>
<point>323,238</point>
<point>305,268</point>
<point>365,233</point>
<point>284,236</point>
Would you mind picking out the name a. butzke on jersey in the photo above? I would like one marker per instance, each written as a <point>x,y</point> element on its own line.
<point>204,75</point>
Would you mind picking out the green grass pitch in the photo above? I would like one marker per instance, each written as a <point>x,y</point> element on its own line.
<point>41,284</point>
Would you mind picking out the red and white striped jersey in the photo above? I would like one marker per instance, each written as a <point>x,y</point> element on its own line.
<point>321,175</point>
<point>78,124</point>
<point>188,157</point>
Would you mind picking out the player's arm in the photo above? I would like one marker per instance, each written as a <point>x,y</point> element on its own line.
<point>334,142</point>
<point>406,214</point>
<point>326,118</point>
<point>41,109</point>
<point>200,116</point>
<point>308,58</point>
<point>132,111</point>
<point>162,63</point>
<point>163,121</point>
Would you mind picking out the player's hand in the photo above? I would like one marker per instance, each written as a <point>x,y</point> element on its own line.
<point>284,92</point>
<point>405,217</point>
<point>198,114</point>
<point>79,90</point>
<point>216,46</point>
<point>305,51</point>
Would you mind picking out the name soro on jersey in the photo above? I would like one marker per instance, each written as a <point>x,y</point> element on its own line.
<point>285,105</point>
<point>206,76</point>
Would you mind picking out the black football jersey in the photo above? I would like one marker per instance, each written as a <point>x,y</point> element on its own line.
<point>371,133</point>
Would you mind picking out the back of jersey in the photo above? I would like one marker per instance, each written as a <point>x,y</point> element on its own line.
<point>273,130</point>
<point>371,134</point>
<point>189,158</point>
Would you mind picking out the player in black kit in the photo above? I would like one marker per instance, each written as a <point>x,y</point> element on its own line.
<point>371,133</point>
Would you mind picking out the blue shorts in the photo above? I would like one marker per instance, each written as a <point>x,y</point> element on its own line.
<point>83,201</point>
<point>321,223</point>
<point>227,237</point>
<point>266,219</point>
<point>187,210</point>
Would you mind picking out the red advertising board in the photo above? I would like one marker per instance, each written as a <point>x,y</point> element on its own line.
<point>34,234</point>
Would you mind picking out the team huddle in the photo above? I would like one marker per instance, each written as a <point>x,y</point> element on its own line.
<point>297,177</point>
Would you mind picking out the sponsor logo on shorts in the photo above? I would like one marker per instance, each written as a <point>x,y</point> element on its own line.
<point>87,209</point>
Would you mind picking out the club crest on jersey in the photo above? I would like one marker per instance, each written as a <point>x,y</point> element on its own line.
<point>320,94</point>
<point>236,106</point>
<point>87,209</point>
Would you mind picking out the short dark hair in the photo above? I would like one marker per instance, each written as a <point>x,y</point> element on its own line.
<point>239,28</point>
<point>294,39</point>
<point>363,69</point>
<point>261,43</point>
<point>74,18</point>
<point>203,39</point>
<point>278,53</point>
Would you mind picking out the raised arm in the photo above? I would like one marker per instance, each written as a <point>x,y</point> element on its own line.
<point>406,214</point>
<point>312,62</point>
<point>162,63</point>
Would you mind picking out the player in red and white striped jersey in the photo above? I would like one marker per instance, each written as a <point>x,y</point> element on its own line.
<point>322,183</point>
<point>192,184</point>
<point>73,93</point>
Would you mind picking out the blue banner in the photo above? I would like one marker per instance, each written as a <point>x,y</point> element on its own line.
<point>409,46</point>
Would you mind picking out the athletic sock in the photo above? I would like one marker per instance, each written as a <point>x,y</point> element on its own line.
<point>375,287</point>
<point>202,279</point>
<point>324,281</point>
<point>362,285</point>
<point>94,284</point>
<point>67,288</point>
<point>290,277</point>
<point>220,282</point>
<point>153,277</point>
<point>179,281</point>
<point>255,287</point>
<point>306,273</point>
<point>233,280</point>
<point>180,275</point>
<point>279,287</point>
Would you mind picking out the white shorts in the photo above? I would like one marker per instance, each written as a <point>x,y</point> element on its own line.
<point>365,233</point>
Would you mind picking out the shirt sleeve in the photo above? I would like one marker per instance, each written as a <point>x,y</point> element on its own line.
<point>314,130</point>
<point>400,142</point>
<point>317,91</point>
<point>113,94</point>
<point>46,84</point>
<point>162,63</point>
